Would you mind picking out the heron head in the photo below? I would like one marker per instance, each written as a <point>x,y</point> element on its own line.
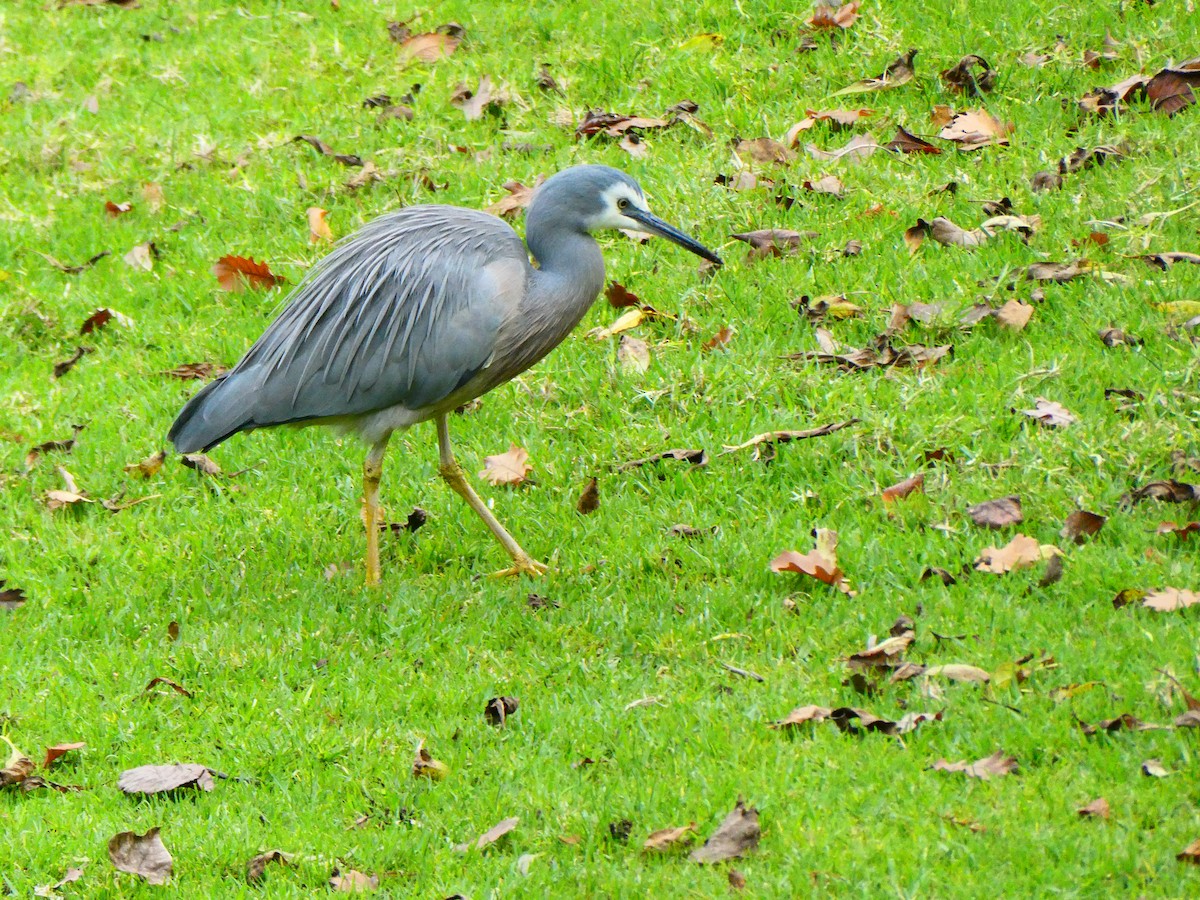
<point>608,198</point>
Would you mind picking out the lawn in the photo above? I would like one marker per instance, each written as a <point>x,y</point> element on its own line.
<point>649,664</point>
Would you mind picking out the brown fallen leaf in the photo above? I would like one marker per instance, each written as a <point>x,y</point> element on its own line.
<point>802,715</point>
<point>1097,809</point>
<point>695,457</point>
<point>1021,552</point>
<point>633,354</point>
<point>1049,414</point>
<point>1165,260</point>
<point>141,256</point>
<point>1169,491</point>
<point>1172,88</point>
<point>318,229</point>
<point>100,318</point>
<point>856,150</point>
<point>957,672</point>
<point>907,142</point>
<point>900,490</point>
<point>236,273</point>
<point>1183,532</point>
<point>962,80</point>
<point>856,721</point>
<point>75,270</point>
<point>1057,272</point>
<point>65,445</point>
<point>993,766</point>
<point>141,854</point>
<point>882,354</point>
<point>1123,722</point>
<point>59,750</point>
<point>352,882</point>
<point>1081,524</point>
<point>615,125</point>
<point>256,868</point>
<point>499,709</point>
<point>196,370</point>
<point>167,682</point>
<point>772,438</point>
<point>774,242</point>
<point>829,16</point>
<point>1170,599</point>
<point>899,71</point>
<point>589,500</point>
<point>148,467</point>
<point>764,150</point>
<point>737,835</point>
<point>474,103</point>
<point>346,159</point>
<point>69,877</point>
<point>425,766</point>
<point>489,837</point>
<point>511,467</point>
<point>117,209</point>
<point>819,563</point>
<point>11,597</point>
<point>669,838</point>
<point>432,46</point>
<point>974,129</point>
<point>163,779</point>
<point>620,297</point>
<point>719,340</point>
<point>18,767</point>
<point>1190,853</point>
<point>62,368</point>
<point>201,463</point>
<point>884,655</point>
<point>1014,314</point>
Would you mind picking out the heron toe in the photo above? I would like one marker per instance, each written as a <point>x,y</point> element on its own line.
<point>523,566</point>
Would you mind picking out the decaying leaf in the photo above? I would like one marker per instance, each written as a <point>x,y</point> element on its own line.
<point>1190,853</point>
<point>148,467</point>
<point>1169,491</point>
<point>836,119</point>
<point>10,597</point>
<point>992,766</point>
<point>962,79</point>
<point>884,655</point>
<point>633,354</point>
<point>855,721</point>
<point>827,15</point>
<point>163,779</point>
<point>498,710</point>
<point>907,142</point>
<point>1123,722</point>
<point>1021,552</point>
<point>474,103</point>
<point>737,835</point>
<point>352,882</point>
<point>771,438</point>
<point>197,370</point>
<point>18,767</point>
<point>974,129</point>
<point>346,159</point>
<point>432,46</point>
<point>511,467</point>
<point>1170,599</point>
<point>695,457</point>
<point>1097,809</point>
<point>425,766</point>
<point>517,199</point>
<point>899,71</point>
<point>856,150</point>
<point>75,270</point>
<point>830,184</point>
<point>1183,532</point>
<point>201,463</point>
<point>489,837</point>
<point>957,672</point>
<point>615,125</point>
<point>1058,272</point>
<point>62,368</point>
<point>1081,525</point>
<point>670,838</point>
<point>1049,413</point>
<point>764,150</point>
<point>900,490</point>
<point>57,751</point>
<point>1014,314</point>
<point>882,354</point>
<point>236,273</point>
<point>802,715</point>
<point>1153,768</point>
<point>141,854</point>
<point>256,868</point>
<point>773,241</point>
<point>819,563</point>
<point>318,229</point>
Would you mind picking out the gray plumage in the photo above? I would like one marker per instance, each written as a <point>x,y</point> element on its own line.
<point>422,310</point>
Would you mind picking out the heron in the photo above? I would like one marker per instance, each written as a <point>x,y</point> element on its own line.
<point>419,312</point>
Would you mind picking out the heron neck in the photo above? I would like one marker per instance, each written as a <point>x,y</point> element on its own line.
<point>571,260</point>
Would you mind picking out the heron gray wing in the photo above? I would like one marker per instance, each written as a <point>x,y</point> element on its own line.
<point>403,313</point>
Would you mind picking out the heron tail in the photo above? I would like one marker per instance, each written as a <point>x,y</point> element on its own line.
<point>217,412</point>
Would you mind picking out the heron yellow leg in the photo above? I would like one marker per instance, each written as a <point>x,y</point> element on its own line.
<point>453,474</point>
<point>372,473</point>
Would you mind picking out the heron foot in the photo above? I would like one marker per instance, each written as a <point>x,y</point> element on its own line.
<point>523,565</point>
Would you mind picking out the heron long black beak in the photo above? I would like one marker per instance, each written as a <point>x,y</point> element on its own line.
<point>655,225</point>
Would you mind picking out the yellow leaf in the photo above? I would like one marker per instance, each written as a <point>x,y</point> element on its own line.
<point>706,40</point>
<point>318,228</point>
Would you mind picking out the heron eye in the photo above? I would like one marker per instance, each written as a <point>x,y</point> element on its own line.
<point>622,203</point>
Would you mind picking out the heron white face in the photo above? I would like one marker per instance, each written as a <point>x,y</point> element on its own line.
<point>615,204</point>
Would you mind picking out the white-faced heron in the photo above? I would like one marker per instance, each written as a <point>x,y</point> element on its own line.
<point>421,311</point>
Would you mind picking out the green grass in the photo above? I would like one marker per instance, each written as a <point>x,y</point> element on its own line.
<point>317,691</point>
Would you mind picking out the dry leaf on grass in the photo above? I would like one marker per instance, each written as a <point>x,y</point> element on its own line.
<point>992,766</point>
<point>1153,768</point>
<point>196,370</point>
<point>884,655</point>
<point>907,142</point>
<point>256,868</point>
<point>1081,525</point>
<point>737,835</point>
<point>899,71</point>
<point>141,256</point>
<point>802,715</point>
<point>974,129</point>
<point>957,672</point>
<point>346,159</point>
<point>54,753</point>
<point>589,500</point>
<point>764,150</point>
<point>772,438</point>
<point>511,467</point>
<point>1190,853</point>
<point>141,854</point>
<point>633,355</point>
<point>201,463</point>
<point>425,766</point>
<point>1022,552</point>
<point>429,47</point>
<point>1049,413</point>
<point>670,838</point>
<point>236,273</point>
<point>855,151</point>
<point>881,354</point>
<point>1097,809</point>
<point>318,228</point>
<point>352,882</point>
<point>774,242</point>
<point>489,837</point>
<point>62,368</point>
<point>830,17</point>
<point>162,779</point>
<point>819,563</point>
<point>148,467</point>
<point>1170,599</point>
<point>962,79</point>
<point>900,490</point>
<point>996,514</point>
<point>498,710</point>
<point>1123,722</point>
<point>18,767</point>
<point>695,457</point>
